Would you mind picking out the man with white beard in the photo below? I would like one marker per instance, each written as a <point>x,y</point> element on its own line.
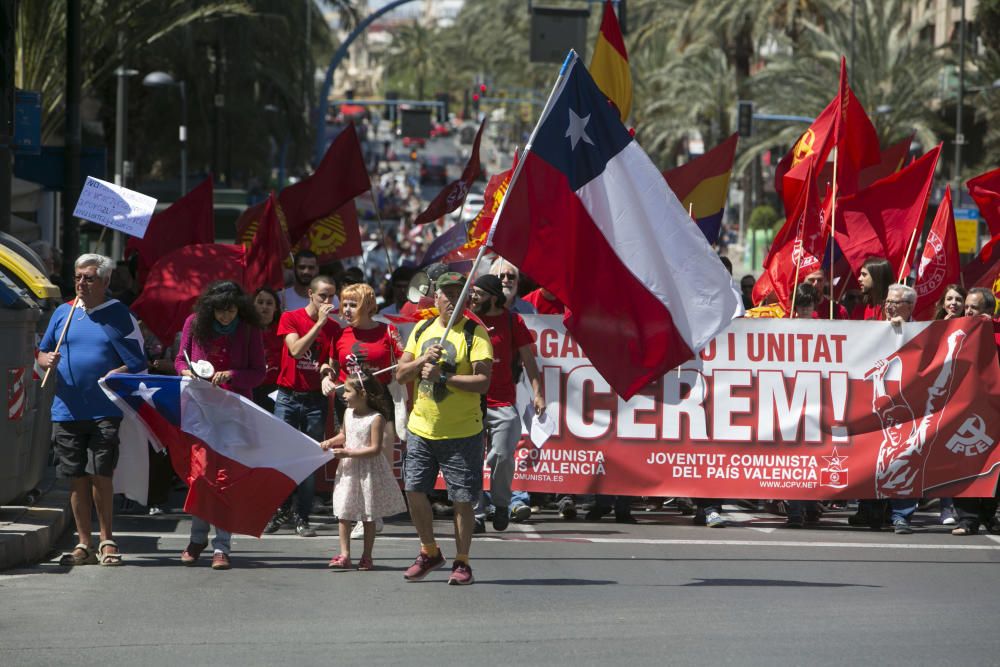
<point>509,276</point>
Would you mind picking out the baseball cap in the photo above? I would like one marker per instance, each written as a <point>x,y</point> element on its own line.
<point>449,278</point>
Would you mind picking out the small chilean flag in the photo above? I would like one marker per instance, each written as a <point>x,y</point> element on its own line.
<point>239,461</point>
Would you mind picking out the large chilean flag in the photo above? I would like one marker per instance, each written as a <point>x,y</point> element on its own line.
<point>239,461</point>
<point>589,217</point>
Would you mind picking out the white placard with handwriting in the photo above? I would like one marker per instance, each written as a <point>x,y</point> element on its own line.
<point>116,207</point>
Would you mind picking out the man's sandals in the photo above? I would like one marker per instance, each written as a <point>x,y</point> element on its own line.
<point>82,555</point>
<point>106,557</point>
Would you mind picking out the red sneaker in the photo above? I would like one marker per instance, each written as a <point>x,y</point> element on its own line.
<point>461,574</point>
<point>423,566</point>
<point>220,561</point>
<point>190,555</point>
<point>340,562</point>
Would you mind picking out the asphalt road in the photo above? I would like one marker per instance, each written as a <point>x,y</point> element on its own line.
<point>547,592</point>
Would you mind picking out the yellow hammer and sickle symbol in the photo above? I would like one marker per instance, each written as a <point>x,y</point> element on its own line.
<point>327,235</point>
<point>251,231</point>
<point>804,147</point>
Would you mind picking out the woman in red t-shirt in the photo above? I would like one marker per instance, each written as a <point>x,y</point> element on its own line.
<point>365,346</point>
<point>268,306</point>
<point>874,279</point>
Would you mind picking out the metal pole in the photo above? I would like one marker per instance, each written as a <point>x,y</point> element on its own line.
<point>71,166</point>
<point>854,12</point>
<point>959,138</point>
<point>8,32</point>
<point>121,119</point>
<point>183,138</point>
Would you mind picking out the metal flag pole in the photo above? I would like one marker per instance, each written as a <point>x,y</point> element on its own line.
<point>571,58</point>
<point>381,228</point>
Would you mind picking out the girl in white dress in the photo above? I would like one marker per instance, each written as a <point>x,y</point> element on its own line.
<point>364,489</point>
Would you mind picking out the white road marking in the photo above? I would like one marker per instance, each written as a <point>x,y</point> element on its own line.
<point>744,518</point>
<point>528,533</point>
<point>527,529</point>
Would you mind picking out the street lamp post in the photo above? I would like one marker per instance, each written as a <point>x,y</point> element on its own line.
<point>121,121</point>
<point>959,137</point>
<point>160,80</point>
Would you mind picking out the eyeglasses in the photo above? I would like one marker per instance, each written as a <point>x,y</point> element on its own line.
<point>508,276</point>
<point>85,279</point>
<point>895,303</point>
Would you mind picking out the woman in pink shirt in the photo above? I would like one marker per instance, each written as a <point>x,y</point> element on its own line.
<point>223,330</point>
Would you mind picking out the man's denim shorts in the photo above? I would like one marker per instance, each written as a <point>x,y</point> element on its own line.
<point>459,459</point>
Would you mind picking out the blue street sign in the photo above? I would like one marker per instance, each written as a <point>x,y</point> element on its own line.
<point>27,122</point>
<point>47,167</point>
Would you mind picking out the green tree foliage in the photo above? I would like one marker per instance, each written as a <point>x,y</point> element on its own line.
<point>252,53</point>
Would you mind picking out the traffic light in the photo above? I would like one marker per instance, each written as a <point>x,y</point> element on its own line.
<point>744,118</point>
<point>475,99</point>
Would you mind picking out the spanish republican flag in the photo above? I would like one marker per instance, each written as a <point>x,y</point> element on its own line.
<point>609,66</point>
<point>703,184</point>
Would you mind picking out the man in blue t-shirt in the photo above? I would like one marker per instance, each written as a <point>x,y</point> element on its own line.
<point>103,337</point>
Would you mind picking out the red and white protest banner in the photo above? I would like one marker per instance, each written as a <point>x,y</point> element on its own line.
<point>795,409</point>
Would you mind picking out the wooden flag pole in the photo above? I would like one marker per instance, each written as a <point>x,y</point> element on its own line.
<point>69,318</point>
<point>795,284</point>
<point>833,224</point>
<point>909,249</point>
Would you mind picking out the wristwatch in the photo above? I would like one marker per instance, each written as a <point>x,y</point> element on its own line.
<point>443,379</point>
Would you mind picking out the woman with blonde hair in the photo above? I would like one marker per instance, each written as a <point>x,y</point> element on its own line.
<point>364,347</point>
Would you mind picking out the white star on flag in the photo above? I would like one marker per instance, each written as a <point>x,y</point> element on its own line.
<point>146,393</point>
<point>577,129</point>
<point>136,333</point>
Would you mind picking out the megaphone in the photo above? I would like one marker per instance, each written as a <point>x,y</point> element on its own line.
<point>419,287</point>
<point>422,283</point>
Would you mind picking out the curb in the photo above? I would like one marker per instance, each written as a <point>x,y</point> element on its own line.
<point>28,533</point>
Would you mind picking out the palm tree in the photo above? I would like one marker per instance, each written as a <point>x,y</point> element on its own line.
<point>41,34</point>
<point>894,76</point>
<point>415,56</point>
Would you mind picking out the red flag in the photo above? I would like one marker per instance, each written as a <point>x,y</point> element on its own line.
<point>892,160</point>
<point>340,177</point>
<point>452,195</point>
<point>801,242</point>
<point>267,252</point>
<point>939,263</point>
<point>881,220</point>
<point>332,237</point>
<point>844,124</point>
<point>984,270</point>
<point>176,280</point>
<point>985,190</point>
<point>187,221</point>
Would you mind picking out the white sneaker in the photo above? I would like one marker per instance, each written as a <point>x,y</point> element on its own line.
<point>358,532</point>
<point>715,520</point>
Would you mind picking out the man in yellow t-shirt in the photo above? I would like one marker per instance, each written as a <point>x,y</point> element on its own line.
<point>445,428</point>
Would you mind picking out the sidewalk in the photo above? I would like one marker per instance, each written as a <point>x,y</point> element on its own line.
<point>28,533</point>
